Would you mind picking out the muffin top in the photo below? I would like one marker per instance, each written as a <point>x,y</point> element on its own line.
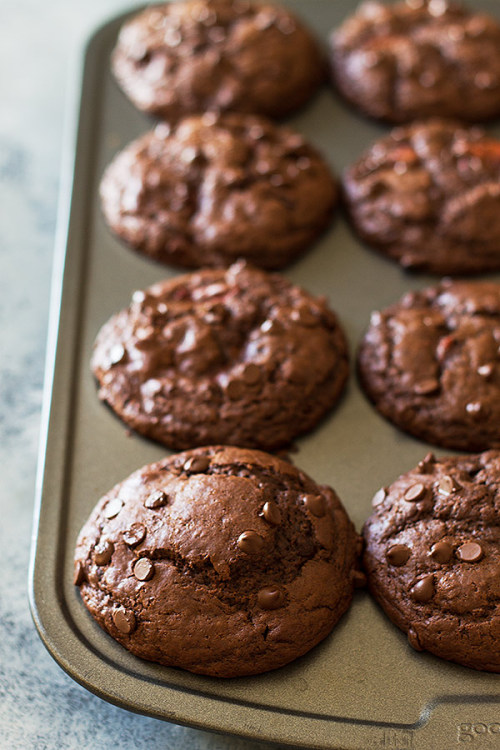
<point>239,357</point>
<point>418,58</point>
<point>427,195</point>
<point>433,557</point>
<point>227,55</point>
<point>430,364</point>
<point>214,189</point>
<point>219,560</point>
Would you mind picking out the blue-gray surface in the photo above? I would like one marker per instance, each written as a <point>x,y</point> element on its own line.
<point>40,707</point>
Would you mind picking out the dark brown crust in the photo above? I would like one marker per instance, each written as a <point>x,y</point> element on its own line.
<point>418,59</point>
<point>430,364</point>
<point>427,196</point>
<point>188,57</point>
<point>200,609</point>
<point>234,356</point>
<point>458,503</point>
<point>216,189</point>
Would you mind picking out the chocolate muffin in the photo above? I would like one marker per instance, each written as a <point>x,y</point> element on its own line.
<point>433,557</point>
<point>235,356</point>
<point>182,58</point>
<point>428,196</point>
<point>430,364</point>
<point>215,189</point>
<point>419,58</point>
<point>222,561</point>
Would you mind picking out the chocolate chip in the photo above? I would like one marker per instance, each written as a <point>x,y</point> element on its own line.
<point>415,492</point>
<point>441,552</point>
<point>134,534</point>
<point>113,508</point>
<point>156,499</point>
<point>270,597</point>
<point>425,465</point>
<point>486,371</point>
<point>305,316</point>
<point>315,504</point>
<point>271,513</point>
<point>197,464</point>
<point>379,497</point>
<point>473,407</point>
<point>398,554</point>
<point>124,620</point>
<point>470,552</point>
<point>271,326</point>
<point>256,132</point>
<point>252,374</point>
<point>116,354</point>
<point>250,542</point>
<point>447,485</point>
<point>103,552</point>
<point>414,640</point>
<point>426,387</point>
<point>138,297</point>
<point>79,576</point>
<point>144,569</point>
<point>423,590</point>
<point>235,389</point>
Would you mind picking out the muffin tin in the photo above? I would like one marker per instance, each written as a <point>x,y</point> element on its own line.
<point>363,687</point>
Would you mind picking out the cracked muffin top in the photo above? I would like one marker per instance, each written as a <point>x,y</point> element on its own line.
<point>419,58</point>
<point>184,58</point>
<point>222,561</point>
<point>430,364</point>
<point>433,557</point>
<point>427,196</point>
<point>237,356</point>
<point>214,189</point>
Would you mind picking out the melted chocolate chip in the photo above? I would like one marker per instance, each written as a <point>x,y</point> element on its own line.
<point>124,620</point>
<point>252,374</point>
<point>271,513</point>
<point>398,554</point>
<point>117,354</point>
<point>315,504</point>
<point>144,569</point>
<point>415,493</point>
<point>447,485</point>
<point>271,326</point>
<point>304,316</point>
<point>441,552</point>
<point>423,590</point>
<point>379,497</point>
<point>103,552</point>
<point>470,552</point>
<point>113,508</point>
<point>414,640</point>
<point>270,597</point>
<point>156,499</point>
<point>235,389</point>
<point>486,371</point>
<point>79,576</point>
<point>426,463</point>
<point>134,534</point>
<point>426,387</point>
<point>197,464</point>
<point>250,542</point>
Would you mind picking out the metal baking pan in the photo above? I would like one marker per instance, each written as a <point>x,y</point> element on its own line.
<point>363,687</point>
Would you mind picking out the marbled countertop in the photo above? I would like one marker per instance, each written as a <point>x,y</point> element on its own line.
<point>40,706</point>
